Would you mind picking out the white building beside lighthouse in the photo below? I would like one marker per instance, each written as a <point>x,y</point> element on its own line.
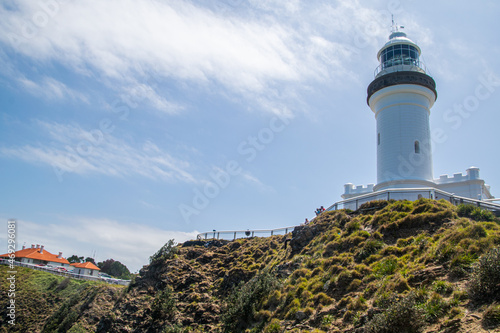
<point>401,97</point>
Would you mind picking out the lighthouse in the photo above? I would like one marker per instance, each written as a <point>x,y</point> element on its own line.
<point>401,97</point>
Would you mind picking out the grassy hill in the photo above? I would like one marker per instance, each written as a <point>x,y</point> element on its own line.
<point>391,266</point>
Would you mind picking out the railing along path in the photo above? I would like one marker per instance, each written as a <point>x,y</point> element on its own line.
<point>354,204</point>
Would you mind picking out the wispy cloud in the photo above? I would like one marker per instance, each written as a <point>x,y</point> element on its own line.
<point>72,149</point>
<point>123,43</point>
<point>130,243</point>
<point>51,89</point>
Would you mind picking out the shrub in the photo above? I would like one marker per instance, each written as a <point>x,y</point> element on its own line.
<point>485,277</point>
<point>402,242</point>
<point>400,284</point>
<point>345,278</point>
<point>459,295</point>
<point>401,316</point>
<point>301,272</point>
<point>354,285</point>
<point>167,251</point>
<point>322,298</point>
<point>164,304</point>
<point>273,327</point>
<point>76,328</point>
<point>387,266</point>
<point>327,321</point>
<point>491,317</point>
<point>455,312</point>
<point>263,315</point>
<point>175,329</point>
<point>63,285</point>
<point>244,299</point>
<point>352,226</point>
<point>442,287</point>
<point>370,247</point>
<point>475,213</point>
<point>461,264</point>
<point>435,307</point>
<point>274,298</point>
<point>358,303</point>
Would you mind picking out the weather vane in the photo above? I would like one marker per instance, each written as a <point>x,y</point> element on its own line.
<point>395,27</point>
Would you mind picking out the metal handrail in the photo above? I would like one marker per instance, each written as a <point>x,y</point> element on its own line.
<point>245,233</point>
<point>67,274</point>
<point>400,64</point>
<point>460,199</point>
<point>454,199</point>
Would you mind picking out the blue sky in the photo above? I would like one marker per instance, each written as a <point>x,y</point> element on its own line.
<point>115,115</point>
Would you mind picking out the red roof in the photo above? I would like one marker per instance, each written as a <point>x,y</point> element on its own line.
<point>34,253</point>
<point>87,265</point>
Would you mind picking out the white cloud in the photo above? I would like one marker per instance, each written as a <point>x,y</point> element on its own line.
<point>125,42</point>
<point>51,89</point>
<point>130,243</point>
<point>75,150</point>
<point>251,179</point>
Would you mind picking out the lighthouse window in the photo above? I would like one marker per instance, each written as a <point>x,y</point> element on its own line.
<point>399,55</point>
<point>417,147</point>
<point>378,139</point>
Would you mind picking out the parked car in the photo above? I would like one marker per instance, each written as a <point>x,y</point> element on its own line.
<point>61,269</point>
<point>105,276</point>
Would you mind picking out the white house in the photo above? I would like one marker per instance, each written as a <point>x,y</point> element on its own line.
<point>86,268</point>
<point>37,255</point>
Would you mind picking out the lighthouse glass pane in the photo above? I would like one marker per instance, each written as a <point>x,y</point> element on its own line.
<point>413,53</point>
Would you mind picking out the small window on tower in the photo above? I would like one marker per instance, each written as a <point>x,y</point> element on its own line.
<point>417,147</point>
<point>378,139</point>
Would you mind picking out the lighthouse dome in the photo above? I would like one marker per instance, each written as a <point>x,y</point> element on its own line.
<point>399,54</point>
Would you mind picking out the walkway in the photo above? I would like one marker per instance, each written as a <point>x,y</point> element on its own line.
<point>354,204</point>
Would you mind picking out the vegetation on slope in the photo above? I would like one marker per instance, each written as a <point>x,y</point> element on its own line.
<point>391,266</point>
<point>45,302</point>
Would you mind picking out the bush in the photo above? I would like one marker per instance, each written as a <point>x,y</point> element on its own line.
<point>244,299</point>
<point>485,278</point>
<point>64,284</point>
<point>322,298</point>
<point>370,247</point>
<point>164,304</point>
<point>327,321</point>
<point>435,307</point>
<point>402,316</point>
<point>387,266</point>
<point>475,213</point>
<point>176,329</point>
<point>374,205</point>
<point>273,327</point>
<point>167,251</point>
<point>442,287</point>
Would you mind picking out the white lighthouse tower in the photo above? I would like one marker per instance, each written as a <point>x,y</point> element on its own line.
<point>401,96</point>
